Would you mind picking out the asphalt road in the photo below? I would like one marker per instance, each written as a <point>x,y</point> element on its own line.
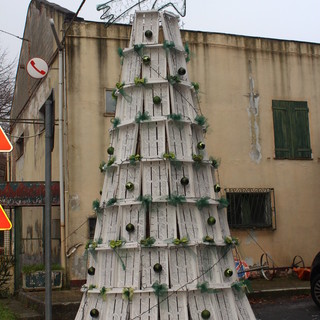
<point>300,307</point>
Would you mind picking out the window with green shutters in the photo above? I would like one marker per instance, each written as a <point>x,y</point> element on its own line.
<point>291,129</point>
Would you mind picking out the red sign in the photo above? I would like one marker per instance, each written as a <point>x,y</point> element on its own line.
<point>5,223</point>
<point>37,68</point>
<point>5,144</point>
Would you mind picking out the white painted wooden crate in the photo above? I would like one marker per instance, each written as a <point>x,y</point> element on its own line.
<point>157,69</point>
<point>171,31</point>
<point>224,304</point>
<point>128,108</point>
<point>197,302</point>
<point>127,142</point>
<point>155,179</point>
<point>243,308</point>
<point>110,184</point>
<point>137,216</point>
<point>111,224</point>
<point>88,303</point>
<point>145,21</point>
<point>183,266</point>
<point>116,307</point>
<point>152,139</point>
<point>179,139</point>
<point>203,183</point>
<point>163,223</point>
<point>131,66</point>
<point>129,173</point>
<point>175,307</point>
<point>189,222</point>
<point>227,261</point>
<point>106,270</point>
<point>197,136</point>
<point>149,257</point>
<point>161,90</point>
<point>177,60</point>
<point>178,172</point>
<point>223,218</point>
<point>143,306</point>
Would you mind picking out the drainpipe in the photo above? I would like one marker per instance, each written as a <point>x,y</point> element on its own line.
<point>61,177</point>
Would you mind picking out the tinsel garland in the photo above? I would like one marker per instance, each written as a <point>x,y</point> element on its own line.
<point>196,87</point>
<point>134,158</point>
<point>127,294</point>
<point>148,242</point>
<point>202,203</point>
<point>111,162</point>
<point>202,121</point>
<point>142,117</point>
<point>121,55</point>
<point>140,81</point>
<point>92,245</point>
<point>223,203</point>
<point>111,202</point>
<point>96,207</point>
<point>103,166</point>
<point>231,241</point>
<point>145,200</point>
<point>215,162</point>
<point>169,156</point>
<point>174,79</point>
<point>168,45</point>
<point>119,89</point>
<point>115,122</point>
<point>160,290</point>
<point>175,199</point>
<point>204,288</point>
<point>138,48</point>
<point>103,293</point>
<point>175,116</point>
<point>244,285</point>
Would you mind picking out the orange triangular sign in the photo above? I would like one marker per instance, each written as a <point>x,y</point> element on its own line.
<point>5,223</point>
<point>5,144</point>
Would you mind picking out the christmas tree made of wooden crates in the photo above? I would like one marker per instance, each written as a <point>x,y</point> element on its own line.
<point>162,246</point>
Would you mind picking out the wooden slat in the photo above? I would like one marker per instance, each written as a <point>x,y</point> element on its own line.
<point>197,302</point>
<point>143,306</point>
<point>183,266</point>
<point>224,226</point>
<point>110,185</point>
<point>89,302</point>
<point>179,134</point>
<point>181,101</point>
<point>106,269</point>
<point>129,173</point>
<point>176,173</point>
<point>137,216</point>
<point>131,67</point>
<point>111,224</point>
<point>127,143</point>
<point>157,69</point>
<point>197,136</point>
<point>152,135</point>
<point>149,257</point>
<point>171,30</point>
<point>176,60</point>
<point>225,303</point>
<point>162,221</point>
<point>243,307</point>
<point>130,277</point>
<point>155,179</point>
<point>175,307</point>
<point>189,222</point>
<point>116,307</point>
<point>161,90</point>
<point>227,261</point>
<point>203,183</point>
<point>145,21</point>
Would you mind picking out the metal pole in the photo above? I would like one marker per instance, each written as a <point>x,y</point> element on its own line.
<point>47,222</point>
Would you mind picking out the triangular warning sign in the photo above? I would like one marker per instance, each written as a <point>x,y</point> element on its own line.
<point>5,144</point>
<point>5,223</point>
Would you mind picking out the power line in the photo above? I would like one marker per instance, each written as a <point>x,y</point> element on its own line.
<point>11,34</point>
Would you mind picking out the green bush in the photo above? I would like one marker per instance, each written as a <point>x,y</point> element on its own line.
<point>5,313</point>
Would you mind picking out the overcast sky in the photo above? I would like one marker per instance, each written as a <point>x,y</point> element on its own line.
<point>279,19</point>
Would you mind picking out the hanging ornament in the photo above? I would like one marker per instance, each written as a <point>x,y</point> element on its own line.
<point>110,150</point>
<point>217,188</point>
<point>184,181</point>
<point>157,268</point>
<point>91,271</point>
<point>148,34</point>
<point>146,60</point>
<point>94,313</point>
<point>181,71</point>
<point>156,100</point>
<point>211,221</point>
<point>228,273</point>
<point>130,227</point>
<point>129,186</point>
<point>201,145</point>
<point>205,314</point>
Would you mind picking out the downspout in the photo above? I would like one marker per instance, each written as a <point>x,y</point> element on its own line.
<point>61,176</point>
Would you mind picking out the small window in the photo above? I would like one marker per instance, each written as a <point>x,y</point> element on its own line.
<point>291,130</point>
<point>110,103</point>
<point>92,227</point>
<point>251,208</point>
<point>20,146</point>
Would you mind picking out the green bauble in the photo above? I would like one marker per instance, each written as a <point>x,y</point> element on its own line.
<point>184,181</point>
<point>181,71</point>
<point>228,273</point>
<point>110,150</point>
<point>148,34</point>
<point>129,186</point>
<point>205,314</point>
<point>156,100</point>
<point>157,267</point>
<point>146,60</point>
<point>130,227</point>
<point>211,221</point>
<point>94,313</point>
<point>201,145</point>
<point>217,188</point>
<point>91,271</point>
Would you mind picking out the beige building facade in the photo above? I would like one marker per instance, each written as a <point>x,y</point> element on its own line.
<point>260,96</point>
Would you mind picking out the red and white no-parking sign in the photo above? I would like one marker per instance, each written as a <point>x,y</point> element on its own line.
<point>37,68</point>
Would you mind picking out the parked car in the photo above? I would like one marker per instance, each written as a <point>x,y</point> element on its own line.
<point>315,280</point>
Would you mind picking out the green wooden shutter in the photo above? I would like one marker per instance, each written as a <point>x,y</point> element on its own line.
<point>300,130</point>
<point>282,133</point>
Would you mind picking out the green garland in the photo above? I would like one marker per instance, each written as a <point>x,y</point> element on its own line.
<point>121,55</point>
<point>182,241</point>
<point>174,79</point>
<point>145,200</point>
<point>120,89</point>
<point>92,245</point>
<point>111,202</point>
<point>202,121</point>
<point>187,51</point>
<point>175,116</point>
<point>204,288</point>
<point>208,239</point>
<point>231,241</point>
<point>96,207</point>
<point>103,166</point>
<point>134,158</point>
<point>103,293</point>
<point>138,48</point>
<point>92,286</point>
<point>114,244</point>
<point>127,293</point>
<point>148,242</point>
<point>203,203</point>
<point>215,162</point>
<point>115,122</point>
<point>175,199</point>
<point>160,290</point>
<point>223,203</point>
<point>142,117</point>
<point>168,45</point>
<point>244,285</point>
<point>111,162</point>
<point>140,81</point>
<point>196,87</point>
